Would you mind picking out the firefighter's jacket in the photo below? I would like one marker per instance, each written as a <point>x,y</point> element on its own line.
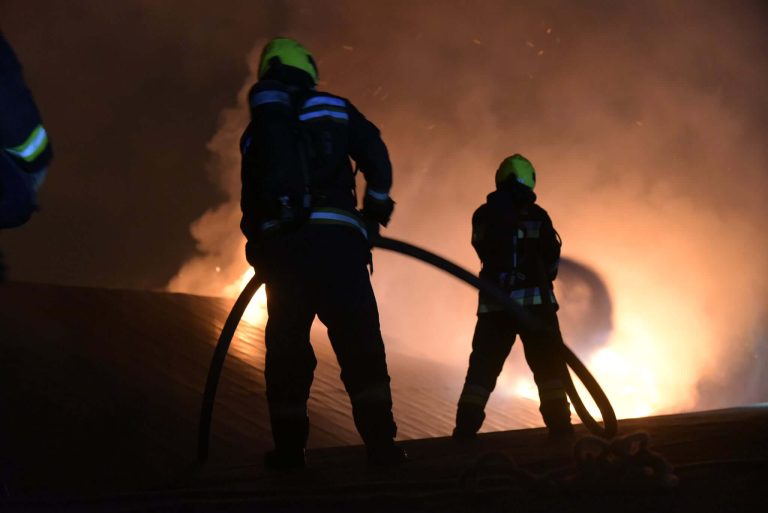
<point>296,154</point>
<point>518,246</point>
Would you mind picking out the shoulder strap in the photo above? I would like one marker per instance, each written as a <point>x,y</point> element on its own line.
<point>306,150</point>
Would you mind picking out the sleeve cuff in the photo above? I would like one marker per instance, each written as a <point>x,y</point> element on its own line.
<point>377,195</point>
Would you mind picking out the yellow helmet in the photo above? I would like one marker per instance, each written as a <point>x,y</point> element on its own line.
<point>288,52</point>
<point>519,167</point>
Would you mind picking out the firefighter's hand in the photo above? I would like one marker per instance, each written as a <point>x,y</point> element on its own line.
<point>379,210</point>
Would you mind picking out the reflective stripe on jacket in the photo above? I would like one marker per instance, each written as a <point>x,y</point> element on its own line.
<point>337,216</point>
<point>334,216</point>
<point>523,297</point>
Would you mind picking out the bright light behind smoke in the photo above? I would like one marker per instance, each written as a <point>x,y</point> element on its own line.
<point>256,313</point>
<point>651,171</point>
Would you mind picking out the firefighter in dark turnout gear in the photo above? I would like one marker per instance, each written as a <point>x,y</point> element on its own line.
<point>306,237</point>
<point>24,149</point>
<point>520,250</point>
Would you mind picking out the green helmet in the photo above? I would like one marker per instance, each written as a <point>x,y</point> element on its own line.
<point>519,167</point>
<point>288,52</point>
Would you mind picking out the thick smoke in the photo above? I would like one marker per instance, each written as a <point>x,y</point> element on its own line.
<point>646,123</point>
<point>219,239</point>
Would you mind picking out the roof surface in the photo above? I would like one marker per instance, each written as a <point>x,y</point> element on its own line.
<point>100,394</point>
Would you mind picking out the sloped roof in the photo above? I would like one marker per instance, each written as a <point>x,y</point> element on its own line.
<point>101,390</point>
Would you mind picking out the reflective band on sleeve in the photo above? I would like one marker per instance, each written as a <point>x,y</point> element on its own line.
<point>338,217</point>
<point>263,97</point>
<point>381,196</point>
<point>325,100</point>
<point>324,113</point>
<point>33,146</point>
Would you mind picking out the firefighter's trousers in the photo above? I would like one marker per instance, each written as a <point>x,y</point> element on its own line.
<point>494,337</point>
<point>322,270</point>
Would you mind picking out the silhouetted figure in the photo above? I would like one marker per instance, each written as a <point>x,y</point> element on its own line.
<point>519,249</point>
<point>306,237</point>
<point>24,149</point>
<point>26,152</point>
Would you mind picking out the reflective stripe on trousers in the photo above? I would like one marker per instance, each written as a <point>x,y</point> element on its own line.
<point>523,297</point>
<point>552,389</point>
<point>474,395</point>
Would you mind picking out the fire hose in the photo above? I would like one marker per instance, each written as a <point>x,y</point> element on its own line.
<point>607,430</point>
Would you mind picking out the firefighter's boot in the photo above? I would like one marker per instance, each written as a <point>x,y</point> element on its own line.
<point>377,428</point>
<point>290,435</point>
<point>469,419</point>
<point>557,417</point>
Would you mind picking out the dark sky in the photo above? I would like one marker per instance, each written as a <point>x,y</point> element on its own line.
<point>130,95</point>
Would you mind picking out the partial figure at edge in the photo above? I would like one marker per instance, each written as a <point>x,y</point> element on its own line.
<point>25,152</point>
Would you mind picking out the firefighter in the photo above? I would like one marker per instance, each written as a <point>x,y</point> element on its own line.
<point>307,238</point>
<point>24,149</point>
<point>520,250</point>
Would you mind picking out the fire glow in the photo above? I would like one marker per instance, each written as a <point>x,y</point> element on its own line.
<point>638,177</point>
<point>256,313</point>
<point>631,367</point>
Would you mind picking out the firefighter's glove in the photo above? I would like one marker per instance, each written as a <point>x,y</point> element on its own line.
<point>378,210</point>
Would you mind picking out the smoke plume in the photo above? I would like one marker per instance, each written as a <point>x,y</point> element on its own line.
<point>646,123</point>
